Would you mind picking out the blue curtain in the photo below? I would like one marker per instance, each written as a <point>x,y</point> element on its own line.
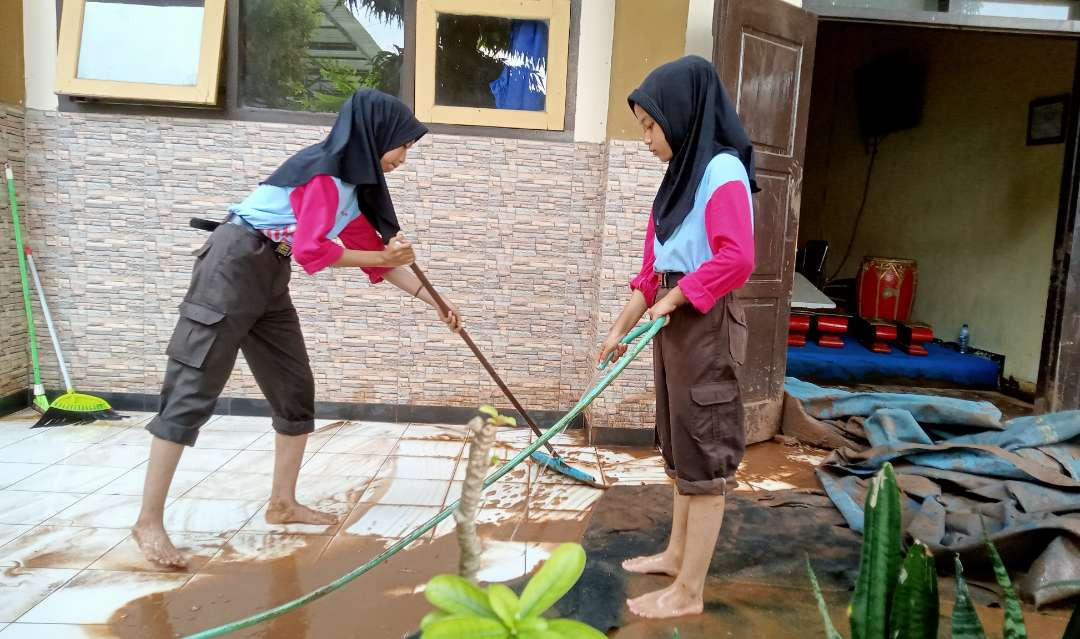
<point>521,84</point>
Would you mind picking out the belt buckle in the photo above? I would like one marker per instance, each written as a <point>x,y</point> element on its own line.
<point>284,249</point>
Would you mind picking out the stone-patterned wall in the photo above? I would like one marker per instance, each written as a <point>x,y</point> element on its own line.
<point>14,357</point>
<point>511,230</point>
<point>632,177</point>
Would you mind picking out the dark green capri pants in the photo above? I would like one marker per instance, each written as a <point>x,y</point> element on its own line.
<point>238,301</point>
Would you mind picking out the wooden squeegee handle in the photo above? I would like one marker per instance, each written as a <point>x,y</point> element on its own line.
<point>445,310</point>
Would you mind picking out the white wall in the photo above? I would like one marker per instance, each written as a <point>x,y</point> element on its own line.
<point>39,37</point>
<point>594,70</point>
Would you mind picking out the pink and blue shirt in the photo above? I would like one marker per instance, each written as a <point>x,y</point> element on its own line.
<point>311,217</point>
<point>714,245</point>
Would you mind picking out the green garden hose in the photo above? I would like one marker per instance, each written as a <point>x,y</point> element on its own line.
<point>647,332</point>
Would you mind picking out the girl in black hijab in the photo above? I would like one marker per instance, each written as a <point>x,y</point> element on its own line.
<point>699,248</point>
<point>328,205</point>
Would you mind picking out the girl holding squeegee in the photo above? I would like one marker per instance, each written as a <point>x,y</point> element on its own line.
<point>326,206</point>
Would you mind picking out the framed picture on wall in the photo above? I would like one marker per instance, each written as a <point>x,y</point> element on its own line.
<point>1048,120</point>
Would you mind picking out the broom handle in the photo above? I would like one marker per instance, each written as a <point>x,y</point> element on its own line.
<point>38,388</point>
<point>48,320</point>
<point>445,310</point>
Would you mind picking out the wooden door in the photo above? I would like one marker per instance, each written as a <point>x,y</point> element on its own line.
<point>764,51</point>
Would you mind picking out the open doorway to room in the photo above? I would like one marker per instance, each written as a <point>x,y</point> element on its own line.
<point>933,172</point>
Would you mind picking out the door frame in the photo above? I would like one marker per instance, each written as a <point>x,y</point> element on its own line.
<point>1058,387</point>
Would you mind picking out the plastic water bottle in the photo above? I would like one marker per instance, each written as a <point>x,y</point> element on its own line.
<point>965,339</point>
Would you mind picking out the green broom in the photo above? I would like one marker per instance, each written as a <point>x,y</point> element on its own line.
<point>41,403</point>
<point>71,407</point>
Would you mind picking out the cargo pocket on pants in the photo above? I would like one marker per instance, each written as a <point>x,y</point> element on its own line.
<point>738,331</point>
<point>720,408</point>
<point>195,334</point>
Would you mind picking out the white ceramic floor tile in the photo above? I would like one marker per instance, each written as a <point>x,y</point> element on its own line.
<point>316,491</point>
<point>28,451</point>
<point>438,432</point>
<point>28,507</point>
<point>82,434</point>
<point>133,437</point>
<point>11,433</point>
<point>197,549</point>
<point>226,439</point>
<point>426,448</point>
<point>315,442</point>
<point>406,492</point>
<point>9,532</point>
<point>100,511</point>
<point>244,486</point>
<point>207,459</point>
<point>373,429</point>
<point>254,461</point>
<point>514,435</point>
<point>258,523</point>
<point>501,561</point>
<point>22,589</point>
<point>390,522</point>
<point>60,547</point>
<point>563,497</point>
<point>418,467</point>
<point>94,595</point>
<point>131,482</point>
<point>61,478</point>
<point>110,455</point>
<point>343,465</point>
<point>13,472</point>
<point>504,494</point>
<point>249,547</point>
<point>237,423</point>
<point>359,445</point>
<point>54,631</point>
<point>209,515</point>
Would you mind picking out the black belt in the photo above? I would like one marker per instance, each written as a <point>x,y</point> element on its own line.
<point>283,249</point>
<point>669,280</point>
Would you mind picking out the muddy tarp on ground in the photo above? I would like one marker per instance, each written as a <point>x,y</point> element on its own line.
<point>762,551</point>
<point>964,474</point>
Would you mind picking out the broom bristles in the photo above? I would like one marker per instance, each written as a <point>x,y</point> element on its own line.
<point>81,403</point>
<point>77,408</point>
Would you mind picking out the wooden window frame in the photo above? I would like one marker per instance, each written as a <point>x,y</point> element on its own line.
<point>204,92</point>
<point>556,12</point>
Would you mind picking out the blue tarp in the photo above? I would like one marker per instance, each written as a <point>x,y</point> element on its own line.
<point>964,474</point>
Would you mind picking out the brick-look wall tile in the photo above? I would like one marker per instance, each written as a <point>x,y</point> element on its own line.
<point>14,355</point>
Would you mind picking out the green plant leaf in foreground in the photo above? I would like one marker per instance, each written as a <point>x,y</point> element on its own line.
<point>571,629</point>
<point>458,596</point>
<point>505,604</point>
<point>432,617</point>
<point>558,574</point>
<point>879,562</point>
<point>471,627</point>
<point>1014,627</point>
<point>830,629</point>
<point>965,623</point>
<point>915,601</point>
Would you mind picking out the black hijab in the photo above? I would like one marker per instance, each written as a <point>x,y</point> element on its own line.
<point>688,101</point>
<point>369,124</point>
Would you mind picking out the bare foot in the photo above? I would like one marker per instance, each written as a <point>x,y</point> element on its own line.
<point>156,546</point>
<point>673,601</point>
<point>294,513</point>
<point>662,564</point>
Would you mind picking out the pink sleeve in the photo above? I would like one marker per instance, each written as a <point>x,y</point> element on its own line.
<point>360,235</point>
<point>315,206</point>
<point>646,281</point>
<point>731,237</point>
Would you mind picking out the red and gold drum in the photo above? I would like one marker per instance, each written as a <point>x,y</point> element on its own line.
<point>886,288</point>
